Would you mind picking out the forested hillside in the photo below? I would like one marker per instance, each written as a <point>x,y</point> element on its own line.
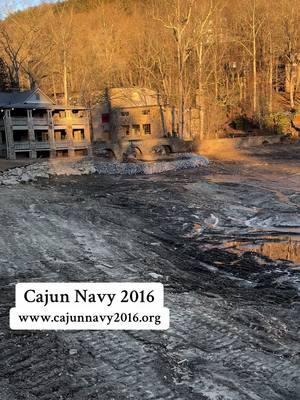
<point>227,56</point>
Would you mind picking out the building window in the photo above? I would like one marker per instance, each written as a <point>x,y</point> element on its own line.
<point>78,113</point>
<point>105,118</point>
<point>59,114</point>
<point>136,129</point>
<point>20,136</point>
<point>147,129</point>
<point>2,137</point>
<point>41,136</point>
<point>146,112</point>
<point>60,135</point>
<point>78,135</point>
<point>124,113</point>
<point>125,130</point>
<point>39,114</point>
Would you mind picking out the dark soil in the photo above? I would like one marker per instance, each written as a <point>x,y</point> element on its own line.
<point>235,320</point>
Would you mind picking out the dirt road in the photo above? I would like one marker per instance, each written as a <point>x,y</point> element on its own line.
<point>235,316</point>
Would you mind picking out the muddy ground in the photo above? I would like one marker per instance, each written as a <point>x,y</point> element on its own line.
<point>235,314</point>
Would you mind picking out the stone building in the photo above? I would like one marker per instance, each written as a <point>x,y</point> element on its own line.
<point>136,118</point>
<point>32,126</point>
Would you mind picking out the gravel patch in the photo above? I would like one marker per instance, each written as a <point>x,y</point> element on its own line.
<point>67,167</point>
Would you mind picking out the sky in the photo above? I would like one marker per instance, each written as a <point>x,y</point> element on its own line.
<point>13,5</point>
<point>26,3</point>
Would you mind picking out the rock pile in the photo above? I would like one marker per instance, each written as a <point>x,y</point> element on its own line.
<point>90,166</point>
<point>147,168</point>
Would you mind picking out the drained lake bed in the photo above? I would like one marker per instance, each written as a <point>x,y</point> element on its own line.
<point>226,250</point>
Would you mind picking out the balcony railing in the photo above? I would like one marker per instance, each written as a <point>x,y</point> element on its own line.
<point>22,145</point>
<point>81,143</point>
<point>79,121</point>
<point>19,121</point>
<point>42,145</point>
<point>45,145</point>
<point>40,121</point>
<point>63,144</point>
<point>61,121</point>
<point>23,121</point>
<point>70,121</point>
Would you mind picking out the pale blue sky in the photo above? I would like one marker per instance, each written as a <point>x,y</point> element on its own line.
<point>25,3</point>
<point>13,5</point>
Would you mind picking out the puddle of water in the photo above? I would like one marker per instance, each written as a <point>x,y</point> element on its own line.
<point>283,248</point>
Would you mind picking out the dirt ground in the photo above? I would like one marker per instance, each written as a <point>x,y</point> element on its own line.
<point>7,164</point>
<point>235,315</point>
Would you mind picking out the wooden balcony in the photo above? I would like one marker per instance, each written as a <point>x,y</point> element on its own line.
<point>79,121</point>
<point>42,145</point>
<point>23,121</point>
<point>19,121</point>
<point>80,144</point>
<point>44,122</point>
<point>20,146</point>
<point>40,122</point>
<point>45,145</point>
<point>63,144</point>
<point>70,121</point>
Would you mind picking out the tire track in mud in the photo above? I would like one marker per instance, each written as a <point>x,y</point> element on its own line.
<point>215,347</point>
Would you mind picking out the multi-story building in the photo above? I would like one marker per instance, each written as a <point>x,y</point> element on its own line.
<point>33,126</point>
<point>135,118</point>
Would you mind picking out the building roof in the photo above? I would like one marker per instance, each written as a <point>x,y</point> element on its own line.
<point>132,97</point>
<point>30,99</point>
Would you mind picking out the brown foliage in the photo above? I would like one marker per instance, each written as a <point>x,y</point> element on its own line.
<point>224,56</point>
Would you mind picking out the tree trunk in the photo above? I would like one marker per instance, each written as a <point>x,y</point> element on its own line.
<point>276,76</point>
<point>65,76</point>
<point>292,87</point>
<point>200,88</point>
<point>240,85</point>
<point>271,78</point>
<point>180,89</point>
<point>53,87</point>
<point>254,68</point>
<point>216,76</point>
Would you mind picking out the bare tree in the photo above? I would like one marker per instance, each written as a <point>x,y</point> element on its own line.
<point>290,33</point>
<point>62,35</point>
<point>250,25</point>
<point>205,33</point>
<point>178,21</point>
